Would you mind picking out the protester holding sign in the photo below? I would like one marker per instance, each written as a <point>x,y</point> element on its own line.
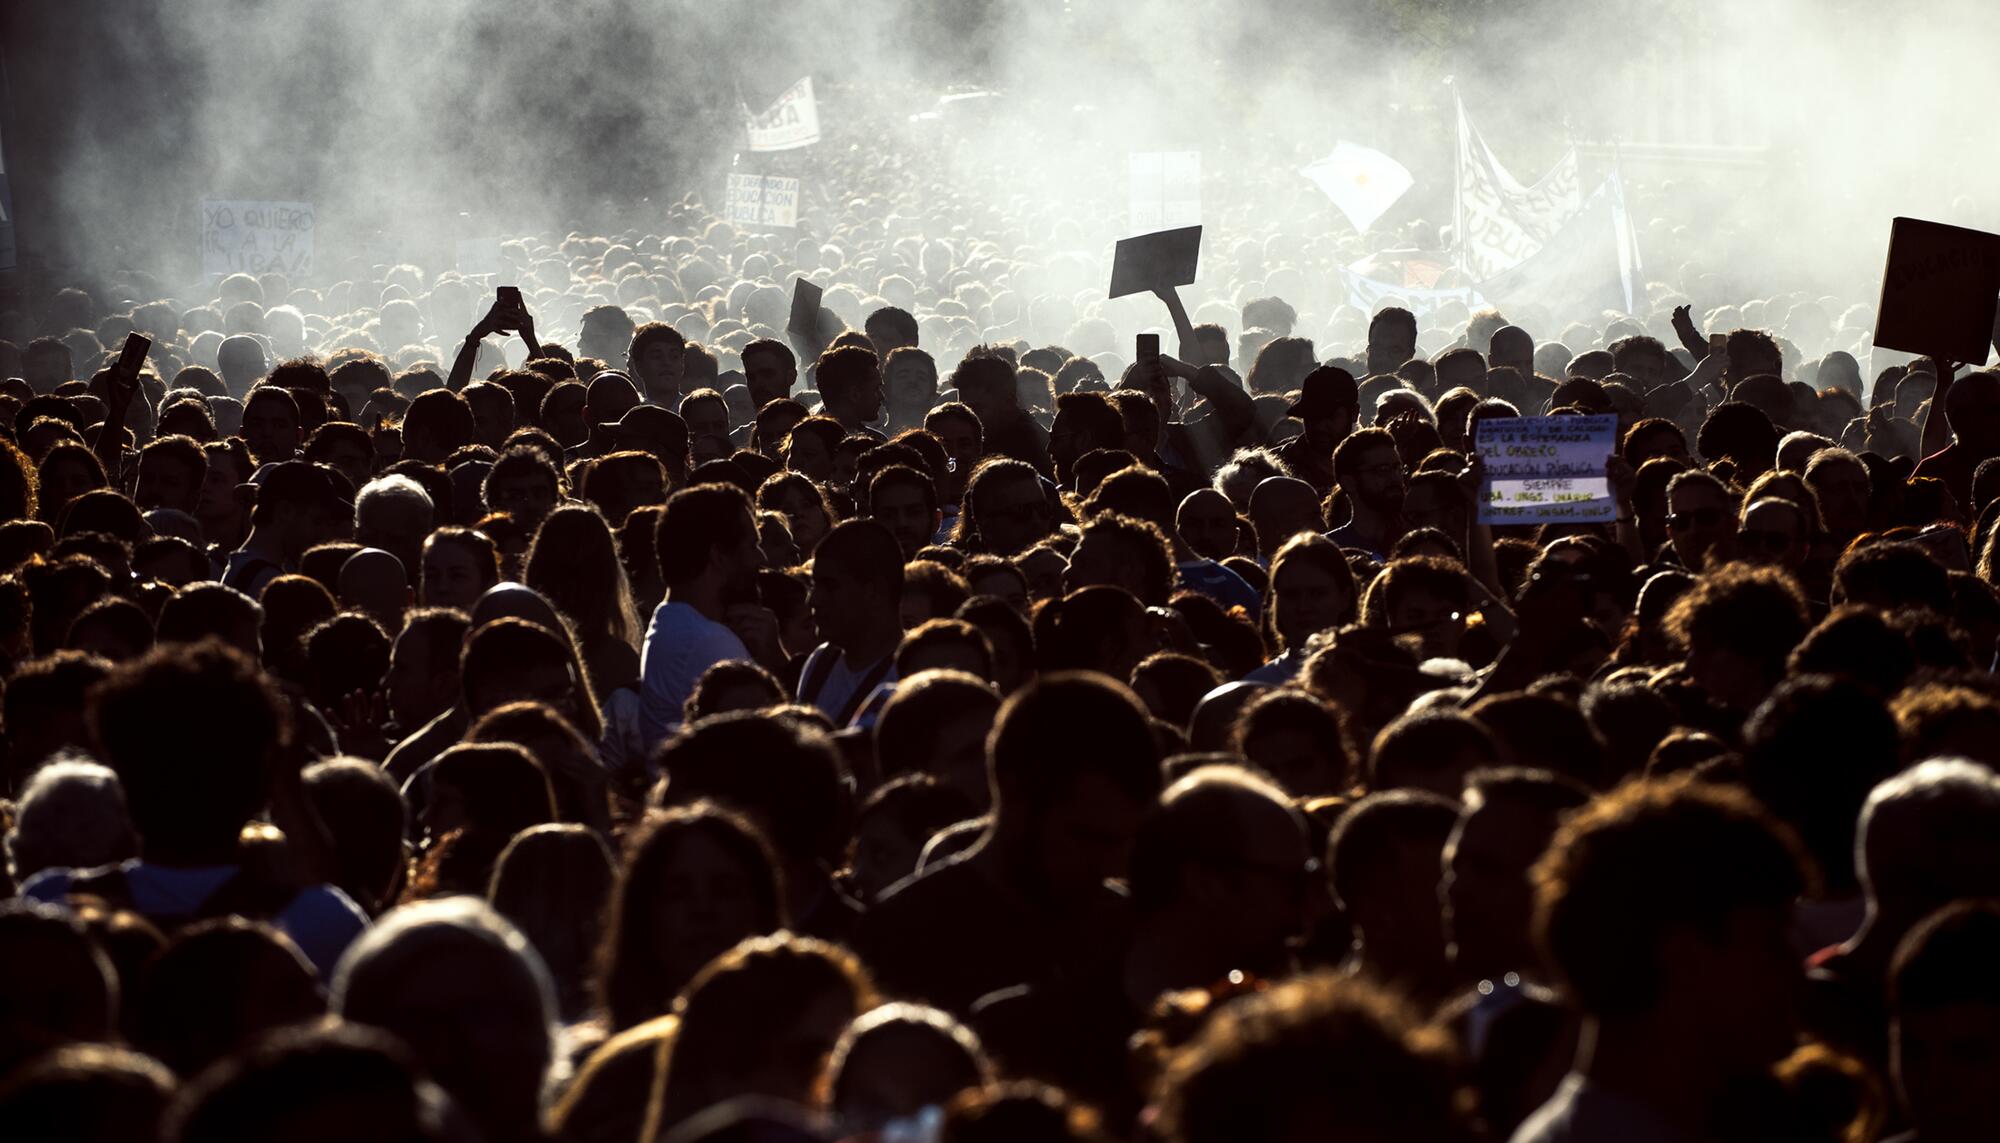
<point>1249,757</point>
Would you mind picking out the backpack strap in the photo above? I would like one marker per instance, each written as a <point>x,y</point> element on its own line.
<point>108,884</point>
<point>863,687</point>
<point>818,671</point>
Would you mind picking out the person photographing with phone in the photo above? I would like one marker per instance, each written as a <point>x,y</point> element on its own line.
<point>508,314</point>
<point>119,385</point>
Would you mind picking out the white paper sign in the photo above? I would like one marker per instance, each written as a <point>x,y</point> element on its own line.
<point>1546,470</point>
<point>791,122</point>
<point>1166,190</point>
<point>762,201</point>
<point>254,235</point>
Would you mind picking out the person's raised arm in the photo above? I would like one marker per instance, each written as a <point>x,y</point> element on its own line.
<point>1707,378</point>
<point>119,390</point>
<point>1689,334</point>
<point>1937,426</point>
<point>499,319</point>
<point>1213,384</point>
<point>1183,328</point>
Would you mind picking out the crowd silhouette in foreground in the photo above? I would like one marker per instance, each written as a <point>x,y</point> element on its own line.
<point>608,712</point>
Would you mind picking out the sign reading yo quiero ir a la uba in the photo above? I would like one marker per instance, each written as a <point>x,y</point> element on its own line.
<point>256,235</point>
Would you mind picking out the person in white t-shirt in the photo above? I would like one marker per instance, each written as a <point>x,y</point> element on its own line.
<point>708,552</point>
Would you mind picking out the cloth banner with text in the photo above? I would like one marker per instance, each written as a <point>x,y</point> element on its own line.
<point>1498,222</point>
<point>792,120</point>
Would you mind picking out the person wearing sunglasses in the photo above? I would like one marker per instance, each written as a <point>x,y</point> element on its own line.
<point>1426,598</point>
<point>1701,520</point>
<point>1773,531</point>
<point>1224,880</point>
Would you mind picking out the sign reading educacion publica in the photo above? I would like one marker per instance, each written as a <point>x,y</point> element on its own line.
<point>254,236</point>
<point>762,200</point>
<point>1546,470</point>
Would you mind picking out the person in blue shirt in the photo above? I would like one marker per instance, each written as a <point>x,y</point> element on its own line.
<point>194,734</point>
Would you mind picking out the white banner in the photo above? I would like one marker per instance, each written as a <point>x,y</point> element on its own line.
<point>1166,190</point>
<point>762,201</point>
<point>790,122</point>
<point>1499,222</point>
<point>1361,181</point>
<point>253,236</point>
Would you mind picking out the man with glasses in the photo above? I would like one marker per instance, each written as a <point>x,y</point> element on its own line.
<point>1701,520</point>
<point>1370,473</point>
<point>1425,598</point>
<point>1773,531</point>
<point>1223,880</point>
<point>1009,507</point>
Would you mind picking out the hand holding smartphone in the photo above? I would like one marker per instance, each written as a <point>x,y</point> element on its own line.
<point>124,376</point>
<point>133,357</point>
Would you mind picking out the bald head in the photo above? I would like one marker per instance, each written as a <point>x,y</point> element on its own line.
<point>1282,507</point>
<point>515,601</point>
<point>1512,347</point>
<point>1206,521</point>
<point>240,360</point>
<point>610,396</point>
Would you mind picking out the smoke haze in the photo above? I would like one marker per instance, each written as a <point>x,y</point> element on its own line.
<point>1765,144</point>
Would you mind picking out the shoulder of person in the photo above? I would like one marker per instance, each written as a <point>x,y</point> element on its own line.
<point>325,902</point>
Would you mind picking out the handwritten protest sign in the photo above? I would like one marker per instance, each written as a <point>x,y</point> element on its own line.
<point>762,201</point>
<point>791,121</point>
<point>1546,470</point>
<point>1938,290</point>
<point>781,201</point>
<point>253,236</point>
<point>1157,261</point>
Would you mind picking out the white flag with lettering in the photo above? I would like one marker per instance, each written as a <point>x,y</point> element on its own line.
<point>791,121</point>
<point>1361,181</point>
<point>1500,223</point>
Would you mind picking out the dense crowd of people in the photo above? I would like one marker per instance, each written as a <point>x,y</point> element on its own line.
<point>606,710</point>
